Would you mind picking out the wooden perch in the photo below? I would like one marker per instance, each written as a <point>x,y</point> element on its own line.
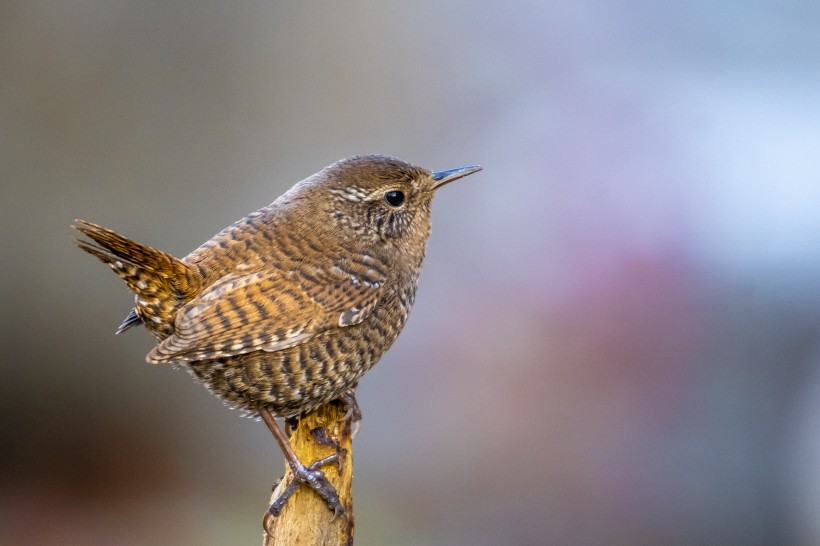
<point>306,518</point>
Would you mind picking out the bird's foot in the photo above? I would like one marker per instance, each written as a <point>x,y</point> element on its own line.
<point>315,479</point>
<point>354,413</point>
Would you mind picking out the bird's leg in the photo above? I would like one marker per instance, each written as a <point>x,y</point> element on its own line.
<point>354,413</point>
<point>310,475</point>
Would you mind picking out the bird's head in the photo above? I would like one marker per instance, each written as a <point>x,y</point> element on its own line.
<point>380,198</point>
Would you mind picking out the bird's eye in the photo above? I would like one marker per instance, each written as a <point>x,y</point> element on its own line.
<point>394,198</point>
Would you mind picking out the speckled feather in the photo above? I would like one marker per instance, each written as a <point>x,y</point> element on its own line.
<point>288,307</point>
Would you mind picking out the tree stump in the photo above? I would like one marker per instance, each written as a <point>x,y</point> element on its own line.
<point>306,518</point>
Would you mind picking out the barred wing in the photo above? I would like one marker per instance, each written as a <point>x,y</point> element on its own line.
<point>270,311</point>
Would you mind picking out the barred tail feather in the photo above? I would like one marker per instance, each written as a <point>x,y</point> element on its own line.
<point>160,281</point>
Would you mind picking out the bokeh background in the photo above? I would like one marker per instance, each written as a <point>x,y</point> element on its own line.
<point>616,339</point>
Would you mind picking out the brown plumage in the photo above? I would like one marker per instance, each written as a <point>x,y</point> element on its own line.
<point>286,309</point>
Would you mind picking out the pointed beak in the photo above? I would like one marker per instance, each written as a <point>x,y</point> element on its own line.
<point>441,178</point>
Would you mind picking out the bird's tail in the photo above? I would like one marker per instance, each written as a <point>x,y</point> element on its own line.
<point>160,281</point>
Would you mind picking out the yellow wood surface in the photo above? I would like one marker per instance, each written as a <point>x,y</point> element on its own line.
<point>306,518</point>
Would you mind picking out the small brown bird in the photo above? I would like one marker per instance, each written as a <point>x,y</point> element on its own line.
<point>287,308</point>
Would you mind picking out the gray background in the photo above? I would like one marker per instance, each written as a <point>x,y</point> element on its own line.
<point>615,340</point>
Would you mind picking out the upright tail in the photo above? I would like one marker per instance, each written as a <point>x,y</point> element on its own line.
<point>161,282</point>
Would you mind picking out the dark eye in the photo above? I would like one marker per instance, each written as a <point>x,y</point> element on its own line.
<point>394,198</point>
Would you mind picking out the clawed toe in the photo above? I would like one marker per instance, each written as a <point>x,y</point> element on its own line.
<point>316,480</point>
<point>354,413</point>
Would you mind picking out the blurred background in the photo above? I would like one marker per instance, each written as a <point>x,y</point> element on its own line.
<point>617,334</point>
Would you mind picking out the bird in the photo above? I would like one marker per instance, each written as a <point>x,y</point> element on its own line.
<point>285,310</point>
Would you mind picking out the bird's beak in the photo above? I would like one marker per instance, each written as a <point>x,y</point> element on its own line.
<point>441,178</point>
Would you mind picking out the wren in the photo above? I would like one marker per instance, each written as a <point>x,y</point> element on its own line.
<point>286,309</point>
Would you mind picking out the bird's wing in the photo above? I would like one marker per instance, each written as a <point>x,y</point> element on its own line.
<point>270,310</point>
